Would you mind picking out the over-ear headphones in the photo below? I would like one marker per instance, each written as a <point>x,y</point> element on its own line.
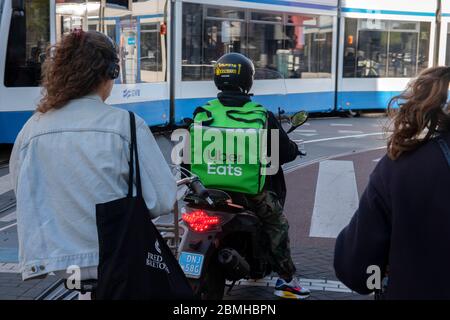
<point>113,71</point>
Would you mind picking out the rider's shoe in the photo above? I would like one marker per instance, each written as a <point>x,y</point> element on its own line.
<point>290,290</point>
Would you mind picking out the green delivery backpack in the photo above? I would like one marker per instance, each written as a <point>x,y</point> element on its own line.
<point>226,145</point>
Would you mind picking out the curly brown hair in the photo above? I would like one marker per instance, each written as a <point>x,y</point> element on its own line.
<point>75,67</point>
<point>422,113</point>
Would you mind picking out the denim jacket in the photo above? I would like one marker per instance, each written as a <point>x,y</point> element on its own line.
<point>66,161</point>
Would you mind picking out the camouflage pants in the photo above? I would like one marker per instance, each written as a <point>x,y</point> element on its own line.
<point>268,208</point>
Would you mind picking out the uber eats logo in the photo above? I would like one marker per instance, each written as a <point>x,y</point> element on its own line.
<point>224,170</point>
<point>227,152</point>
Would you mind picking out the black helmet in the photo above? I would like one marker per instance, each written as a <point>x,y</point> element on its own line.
<point>234,71</point>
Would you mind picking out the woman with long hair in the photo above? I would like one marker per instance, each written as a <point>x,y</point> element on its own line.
<point>73,153</point>
<point>402,225</point>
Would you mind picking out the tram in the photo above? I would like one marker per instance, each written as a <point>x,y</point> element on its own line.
<point>316,55</point>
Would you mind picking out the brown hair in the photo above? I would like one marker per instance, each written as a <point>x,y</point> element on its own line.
<point>75,67</point>
<point>422,112</point>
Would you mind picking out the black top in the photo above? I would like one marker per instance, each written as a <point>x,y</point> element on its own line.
<point>403,221</point>
<point>288,149</point>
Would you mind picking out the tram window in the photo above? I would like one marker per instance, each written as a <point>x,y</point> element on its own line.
<point>226,13</point>
<point>371,54</point>
<point>265,40</point>
<point>266,17</point>
<point>308,45</point>
<point>192,55</point>
<point>29,36</point>
<point>208,34</point>
<point>287,45</point>
<point>221,37</point>
<point>351,30</point>
<point>424,46</point>
<point>382,48</point>
<point>151,55</point>
<point>403,54</point>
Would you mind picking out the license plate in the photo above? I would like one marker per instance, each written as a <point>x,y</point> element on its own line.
<point>192,264</point>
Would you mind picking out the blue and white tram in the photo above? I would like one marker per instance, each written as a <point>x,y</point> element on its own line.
<point>383,44</point>
<point>29,26</point>
<point>332,54</point>
<point>296,39</point>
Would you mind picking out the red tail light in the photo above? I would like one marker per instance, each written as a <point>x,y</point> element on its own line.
<point>200,221</point>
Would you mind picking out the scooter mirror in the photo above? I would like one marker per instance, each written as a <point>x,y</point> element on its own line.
<point>297,120</point>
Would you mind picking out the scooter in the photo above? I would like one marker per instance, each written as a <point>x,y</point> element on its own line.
<point>223,239</point>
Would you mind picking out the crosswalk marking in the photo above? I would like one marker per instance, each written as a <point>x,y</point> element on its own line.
<point>305,131</point>
<point>336,198</point>
<point>9,268</point>
<point>341,137</point>
<point>350,131</point>
<point>9,217</point>
<point>341,125</point>
<point>8,226</point>
<point>5,183</point>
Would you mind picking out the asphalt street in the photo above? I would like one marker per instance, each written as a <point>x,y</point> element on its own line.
<point>323,192</point>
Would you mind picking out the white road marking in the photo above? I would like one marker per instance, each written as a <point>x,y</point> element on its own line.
<point>376,160</point>
<point>5,183</point>
<point>309,134</point>
<point>7,227</point>
<point>341,124</point>
<point>350,131</point>
<point>342,137</point>
<point>336,198</point>
<point>304,131</point>
<point>9,217</point>
<point>291,168</point>
<point>9,268</point>
<point>312,284</point>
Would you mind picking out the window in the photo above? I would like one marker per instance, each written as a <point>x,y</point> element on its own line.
<point>138,28</point>
<point>151,62</point>
<point>192,46</point>
<point>29,36</point>
<point>281,45</point>
<point>266,43</point>
<point>208,33</point>
<point>382,48</point>
<point>309,43</point>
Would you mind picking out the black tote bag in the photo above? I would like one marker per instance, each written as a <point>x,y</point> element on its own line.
<point>135,262</point>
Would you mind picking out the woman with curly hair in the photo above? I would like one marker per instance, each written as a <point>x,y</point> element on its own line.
<point>402,226</point>
<point>73,153</point>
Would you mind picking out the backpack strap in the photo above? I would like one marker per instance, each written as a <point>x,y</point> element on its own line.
<point>445,149</point>
<point>208,113</point>
<point>235,114</point>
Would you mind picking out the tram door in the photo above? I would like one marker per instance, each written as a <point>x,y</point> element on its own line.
<point>128,50</point>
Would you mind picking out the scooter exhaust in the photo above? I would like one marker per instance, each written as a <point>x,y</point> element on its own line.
<point>234,265</point>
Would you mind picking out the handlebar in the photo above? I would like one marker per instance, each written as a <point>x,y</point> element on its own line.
<point>197,187</point>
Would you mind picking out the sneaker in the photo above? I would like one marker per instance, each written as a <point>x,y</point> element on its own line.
<point>290,290</point>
